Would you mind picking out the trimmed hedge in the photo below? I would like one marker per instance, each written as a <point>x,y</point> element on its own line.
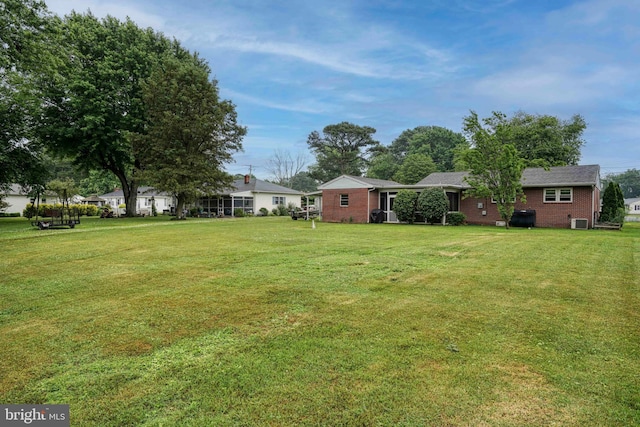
<point>456,218</point>
<point>84,210</point>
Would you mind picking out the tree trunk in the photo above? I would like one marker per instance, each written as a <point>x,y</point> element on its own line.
<point>180,207</point>
<point>130,191</point>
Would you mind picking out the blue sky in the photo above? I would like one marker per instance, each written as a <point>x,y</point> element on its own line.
<point>292,67</point>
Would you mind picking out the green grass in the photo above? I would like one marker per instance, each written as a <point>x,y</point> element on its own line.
<point>266,321</point>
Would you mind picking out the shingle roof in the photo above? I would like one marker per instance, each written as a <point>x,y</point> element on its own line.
<point>531,177</point>
<point>561,175</point>
<point>147,191</point>
<point>259,186</point>
<point>374,181</point>
<point>446,179</point>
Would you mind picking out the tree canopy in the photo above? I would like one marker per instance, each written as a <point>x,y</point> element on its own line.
<point>629,182</point>
<point>94,99</point>
<point>343,149</point>
<point>543,140</point>
<point>191,133</point>
<point>414,168</point>
<point>495,167</point>
<point>434,141</point>
<point>24,37</point>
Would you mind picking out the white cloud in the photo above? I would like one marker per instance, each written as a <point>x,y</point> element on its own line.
<point>307,106</point>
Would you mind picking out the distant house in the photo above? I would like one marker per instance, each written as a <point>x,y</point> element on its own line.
<point>16,198</point>
<point>554,197</point>
<point>147,196</point>
<point>633,209</point>
<point>94,200</point>
<point>250,195</point>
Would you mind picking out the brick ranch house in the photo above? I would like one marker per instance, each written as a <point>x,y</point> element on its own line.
<point>557,196</point>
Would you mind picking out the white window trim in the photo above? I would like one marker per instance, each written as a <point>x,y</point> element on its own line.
<point>347,196</point>
<point>557,192</point>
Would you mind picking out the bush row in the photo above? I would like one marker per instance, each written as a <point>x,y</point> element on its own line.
<point>84,210</point>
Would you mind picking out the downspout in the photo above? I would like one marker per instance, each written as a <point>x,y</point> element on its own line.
<point>593,206</point>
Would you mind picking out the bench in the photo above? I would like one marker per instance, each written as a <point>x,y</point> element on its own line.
<point>608,226</point>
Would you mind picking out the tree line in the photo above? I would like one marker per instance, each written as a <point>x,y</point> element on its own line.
<point>108,96</point>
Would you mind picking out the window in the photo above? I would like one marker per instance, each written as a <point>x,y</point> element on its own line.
<point>344,200</point>
<point>558,195</point>
<point>636,207</point>
<point>278,200</point>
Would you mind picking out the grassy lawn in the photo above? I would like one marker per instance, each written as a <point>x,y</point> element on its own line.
<point>266,321</point>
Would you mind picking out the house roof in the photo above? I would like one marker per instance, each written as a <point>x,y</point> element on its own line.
<point>531,177</point>
<point>143,191</point>
<point>360,180</point>
<point>15,190</point>
<point>94,198</point>
<point>259,186</point>
<point>445,179</point>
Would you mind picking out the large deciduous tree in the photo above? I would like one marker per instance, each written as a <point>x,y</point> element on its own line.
<point>24,52</point>
<point>414,168</point>
<point>383,166</point>
<point>93,102</point>
<point>495,167</point>
<point>544,140</point>
<point>343,149</point>
<point>191,133</point>
<point>434,141</point>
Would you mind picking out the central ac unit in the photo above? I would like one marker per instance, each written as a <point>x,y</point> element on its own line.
<point>579,224</point>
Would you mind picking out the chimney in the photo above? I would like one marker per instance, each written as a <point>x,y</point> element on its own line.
<point>247,178</point>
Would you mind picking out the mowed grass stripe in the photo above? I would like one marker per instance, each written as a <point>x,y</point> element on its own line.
<point>266,321</point>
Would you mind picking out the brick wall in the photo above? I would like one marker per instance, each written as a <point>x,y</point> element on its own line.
<point>556,215</point>
<point>358,209</point>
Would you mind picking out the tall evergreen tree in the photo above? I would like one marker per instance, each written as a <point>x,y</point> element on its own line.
<point>343,149</point>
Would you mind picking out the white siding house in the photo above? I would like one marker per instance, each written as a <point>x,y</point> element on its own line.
<point>16,198</point>
<point>164,202</point>
<point>249,194</point>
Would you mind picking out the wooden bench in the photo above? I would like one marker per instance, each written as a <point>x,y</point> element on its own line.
<point>608,226</point>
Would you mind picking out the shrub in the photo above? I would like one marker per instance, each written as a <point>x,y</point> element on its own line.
<point>405,205</point>
<point>92,210</point>
<point>9,214</point>
<point>456,218</point>
<point>264,211</point>
<point>282,210</point>
<point>29,211</point>
<point>239,212</point>
<point>433,204</point>
<point>275,211</point>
